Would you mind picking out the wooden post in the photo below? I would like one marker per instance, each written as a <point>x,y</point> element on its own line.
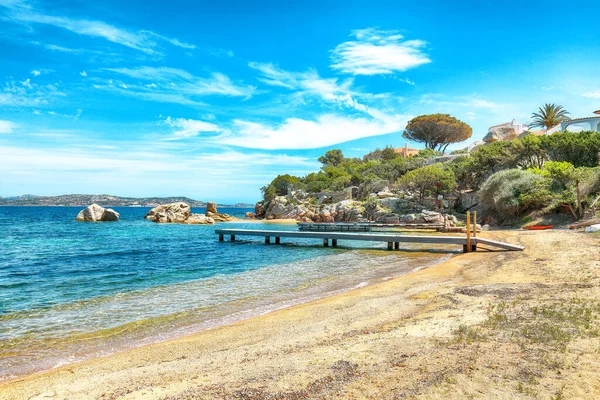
<point>397,245</point>
<point>334,242</point>
<point>326,242</point>
<point>390,245</point>
<point>233,238</point>
<point>474,223</point>
<point>277,240</point>
<point>267,239</point>
<point>221,238</point>
<point>468,231</point>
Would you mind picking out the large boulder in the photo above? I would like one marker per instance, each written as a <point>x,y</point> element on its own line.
<point>500,133</point>
<point>96,213</point>
<point>177,212</point>
<point>280,207</point>
<point>212,212</point>
<point>211,207</point>
<point>199,219</point>
<point>259,209</point>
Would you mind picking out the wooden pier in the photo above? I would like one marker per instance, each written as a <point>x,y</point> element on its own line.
<point>393,241</point>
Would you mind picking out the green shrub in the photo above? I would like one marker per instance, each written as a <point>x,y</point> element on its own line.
<point>430,180</point>
<point>511,192</point>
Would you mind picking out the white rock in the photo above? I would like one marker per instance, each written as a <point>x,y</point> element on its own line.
<point>592,228</point>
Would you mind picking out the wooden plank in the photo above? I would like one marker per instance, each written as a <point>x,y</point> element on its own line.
<point>498,244</point>
<point>468,231</point>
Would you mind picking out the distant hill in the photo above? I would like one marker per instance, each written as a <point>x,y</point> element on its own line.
<point>103,200</point>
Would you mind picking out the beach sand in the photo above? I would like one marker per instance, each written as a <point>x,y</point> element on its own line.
<point>484,325</point>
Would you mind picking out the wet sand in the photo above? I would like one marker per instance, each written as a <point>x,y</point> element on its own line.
<point>483,325</point>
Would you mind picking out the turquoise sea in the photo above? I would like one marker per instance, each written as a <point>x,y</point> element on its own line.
<point>74,290</point>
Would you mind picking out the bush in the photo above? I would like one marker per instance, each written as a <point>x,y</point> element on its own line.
<point>579,148</point>
<point>511,192</point>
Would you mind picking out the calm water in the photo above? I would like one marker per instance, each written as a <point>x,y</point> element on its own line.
<point>72,290</point>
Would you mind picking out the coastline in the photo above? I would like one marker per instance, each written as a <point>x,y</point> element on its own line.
<point>373,341</point>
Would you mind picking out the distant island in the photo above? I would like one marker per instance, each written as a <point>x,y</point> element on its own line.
<point>104,200</point>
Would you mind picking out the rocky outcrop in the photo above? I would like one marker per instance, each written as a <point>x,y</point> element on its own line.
<point>500,133</point>
<point>212,212</point>
<point>259,209</point>
<point>178,212</point>
<point>95,213</point>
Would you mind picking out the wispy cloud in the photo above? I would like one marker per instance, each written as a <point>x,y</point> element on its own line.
<point>173,85</point>
<point>592,94</point>
<point>6,126</point>
<point>35,72</point>
<point>311,84</point>
<point>296,133</point>
<point>189,127</point>
<point>27,93</point>
<point>83,73</point>
<point>377,51</point>
<point>143,40</point>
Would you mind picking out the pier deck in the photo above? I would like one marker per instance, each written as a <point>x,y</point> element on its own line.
<point>393,240</point>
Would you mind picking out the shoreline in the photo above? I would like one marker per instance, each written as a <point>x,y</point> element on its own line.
<point>382,339</point>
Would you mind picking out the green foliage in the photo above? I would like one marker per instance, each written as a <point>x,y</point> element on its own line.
<point>437,131</point>
<point>332,157</point>
<point>428,153</point>
<point>279,186</point>
<point>579,148</point>
<point>430,180</point>
<point>511,192</point>
<point>548,116</point>
<point>387,154</point>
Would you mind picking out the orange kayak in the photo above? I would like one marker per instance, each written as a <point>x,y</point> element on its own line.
<point>539,227</point>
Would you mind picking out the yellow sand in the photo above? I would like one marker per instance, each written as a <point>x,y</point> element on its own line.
<point>430,334</point>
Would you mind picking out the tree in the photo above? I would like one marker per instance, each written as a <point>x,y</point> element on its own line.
<point>575,183</point>
<point>579,148</point>
<point>279,186</point>
<point>333,157</point>
<point>433,179</point>
<point>437,131</point>
<point>548,116</point>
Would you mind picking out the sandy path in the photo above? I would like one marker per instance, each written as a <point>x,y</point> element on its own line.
<point>485,325</point>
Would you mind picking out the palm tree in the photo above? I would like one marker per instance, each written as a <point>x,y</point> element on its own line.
<point>548,116</point>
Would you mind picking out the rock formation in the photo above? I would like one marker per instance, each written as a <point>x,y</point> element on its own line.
<point>500,133</point>
<point>178,212</point>
<point>95,213</point>
<point>211,212</point>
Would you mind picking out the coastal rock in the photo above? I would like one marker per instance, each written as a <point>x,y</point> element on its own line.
<point>211,207</point>
<point>199,219</point>
<point>500,133</point>
<point>96,213</point>
<point>177,212</point>
<point>348,211</point>
<point>212,212</point>
<point>259,209</point>
<point>385,194</point>
<point>280,207</point>
<point>250,215</point>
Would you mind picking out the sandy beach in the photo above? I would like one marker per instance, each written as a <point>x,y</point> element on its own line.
<point>483,325</point>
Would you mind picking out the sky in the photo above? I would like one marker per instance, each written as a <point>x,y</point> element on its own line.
<point>212,100</point>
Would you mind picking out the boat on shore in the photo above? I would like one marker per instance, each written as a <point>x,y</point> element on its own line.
<point>539,227</point>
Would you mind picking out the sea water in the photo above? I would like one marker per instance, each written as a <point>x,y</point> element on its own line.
<point>73,290</point>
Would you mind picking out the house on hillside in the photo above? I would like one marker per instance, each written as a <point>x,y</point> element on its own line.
<point>406,151</point>
<point>583,123</point>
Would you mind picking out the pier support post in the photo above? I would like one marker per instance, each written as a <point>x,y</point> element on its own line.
<point>233,238</point>
<point>221,238</point>
<point>390,245</point>
<point>277,240</point>
<point>267,239</point>
<point>397,245</point>
<point>326,242</point>
<point>334,242</point>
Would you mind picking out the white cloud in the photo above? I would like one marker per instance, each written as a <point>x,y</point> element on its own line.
<point>296,133</point>
<point>35,72</point>
<point>189,127</point>
<point>173,85</point>
<point>141,40</point>
<point>26,93</point>
<point>83,73</point>
<point>378,52</point>
<point>310,83</point>
<point>592,94</point>
<point>6,126</point>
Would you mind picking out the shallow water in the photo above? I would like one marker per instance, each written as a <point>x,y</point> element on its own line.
<point>72,290</point>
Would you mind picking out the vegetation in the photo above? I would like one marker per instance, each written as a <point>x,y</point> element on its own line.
<point>533,174</point>
<point>548,116</point>
<point>437,131</point>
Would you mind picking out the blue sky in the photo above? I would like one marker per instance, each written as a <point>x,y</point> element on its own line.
<point>213,99</point>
